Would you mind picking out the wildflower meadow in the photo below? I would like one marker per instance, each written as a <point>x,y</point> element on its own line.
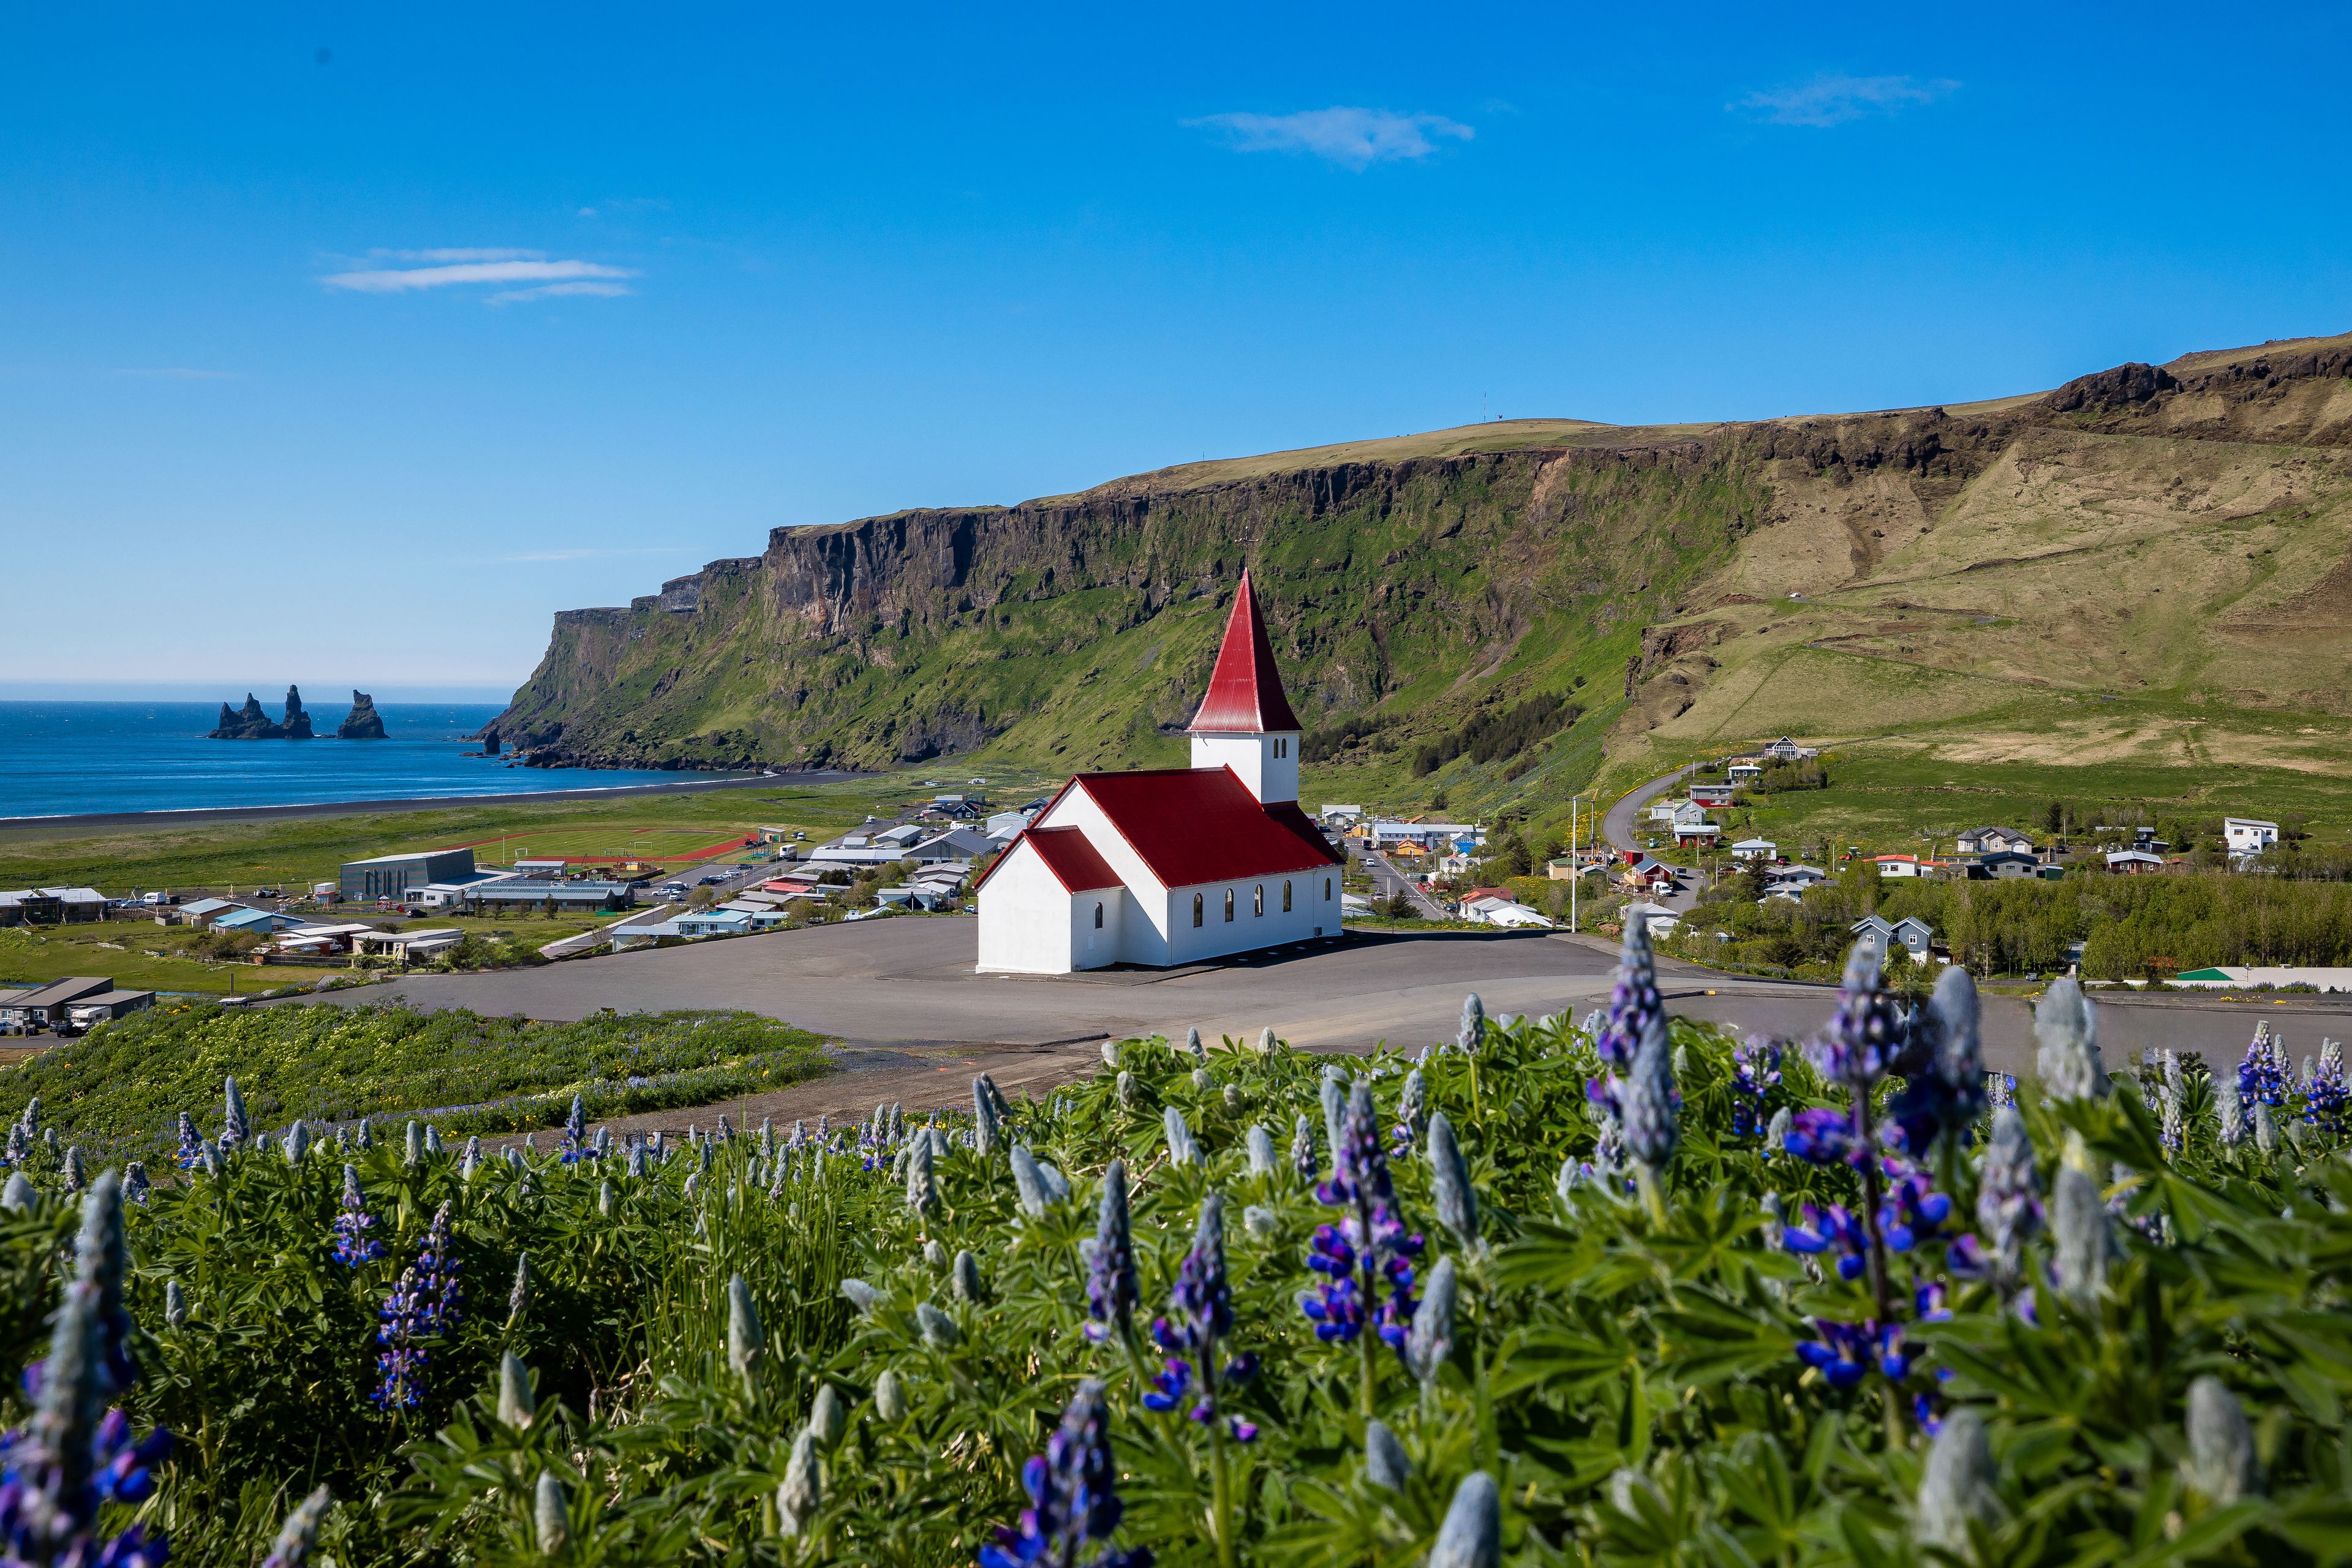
<point>1614,1289</point>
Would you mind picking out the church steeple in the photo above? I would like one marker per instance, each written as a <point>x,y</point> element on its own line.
<point>1245,722</point>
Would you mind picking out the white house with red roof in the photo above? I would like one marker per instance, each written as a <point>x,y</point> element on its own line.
<point>1168,866</point>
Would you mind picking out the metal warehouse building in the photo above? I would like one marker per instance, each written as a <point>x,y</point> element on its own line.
<point>390,875</point>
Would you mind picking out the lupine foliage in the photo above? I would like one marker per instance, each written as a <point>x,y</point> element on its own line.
<point>1812,1310</point>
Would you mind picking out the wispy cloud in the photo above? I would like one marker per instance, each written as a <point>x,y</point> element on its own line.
<point>463,253</point>
<point>585,554</point>
<point>1352,138</point>
<point>1829,100</point>
<point>452,268</point>
<point>559,291</point>
<point>180,373</point>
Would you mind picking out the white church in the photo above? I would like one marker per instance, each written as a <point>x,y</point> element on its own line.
<point>1167,865</point>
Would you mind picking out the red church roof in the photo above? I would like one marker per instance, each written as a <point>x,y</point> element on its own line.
<point>1245,689</point>
<point>1202,825</point>
<point>1075,864</point>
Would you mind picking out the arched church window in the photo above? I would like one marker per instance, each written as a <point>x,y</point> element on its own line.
<point>1229,904</point>
<point>1196,908</point>
<point>1286,897</point>
<point>1097,916</point>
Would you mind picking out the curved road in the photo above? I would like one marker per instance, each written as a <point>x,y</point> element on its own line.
<point>1617,825</point>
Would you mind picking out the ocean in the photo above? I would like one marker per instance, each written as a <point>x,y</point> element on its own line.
<point>69,758</point>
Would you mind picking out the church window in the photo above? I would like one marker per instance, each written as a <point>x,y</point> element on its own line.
<point>1327,890</point>
<point>1286,897</point>
<point>1258,900</point>
<point>1196,908</point>
<point>1229,904</point>
<point>1098,916</point>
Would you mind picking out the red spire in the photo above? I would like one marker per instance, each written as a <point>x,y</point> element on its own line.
<point>1245,689</point>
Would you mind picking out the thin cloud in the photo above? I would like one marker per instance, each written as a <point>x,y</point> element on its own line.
<point>1351,138</point>
<point>561,290</point>
<point>181,373</point>
<point>461,253</point>
<point>1828,100</point>
<point>409,280</point>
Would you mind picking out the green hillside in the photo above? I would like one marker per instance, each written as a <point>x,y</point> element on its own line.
<point>2149,565</point>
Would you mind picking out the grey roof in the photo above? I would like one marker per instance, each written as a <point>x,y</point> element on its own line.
<point>58,992</point>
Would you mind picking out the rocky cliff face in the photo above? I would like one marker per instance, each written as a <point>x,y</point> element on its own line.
<point>364,722</point>
<point>1417,588</point>
<point>246,723</point>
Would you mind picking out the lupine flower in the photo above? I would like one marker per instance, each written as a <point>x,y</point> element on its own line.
<point>861,1296</point>
<point>1431,1339</point>
<point>1956,1488</point>
<point>516,1404</point>
<point>1609,1147</point>
<point>1865,1033</point>
<point>1379,1245</point>
<point>176,1304</point>
<point>299,1532</point>
<point>1260,1222</point>
<point>1411,1109</point>
<point>1633,1000</point>
<point>1943,1091</point>
<point>354,1245</point>
<point>1473,1032</point>
<point>2262,1075</point>
<point>2001,1089</point>
<point>1822,1136</point>
<point>2231,1109</point>
<point>66,1463</point>
<point>1336,1307</point>
<point>1200,1315</point>
<point>2265,1128</point>
<point>550,1514</point>
<point>519,1296</point>
<point>235,1130</point>
<point>1259,1144</point>
<point>939,1329</point>
<point>422,1306</point>
<point>1181,1150</point>
<point>828,1418</point>
<point>922,1189</point>
<point>1302,1149</point>
<point>1074,1503</point>
<point>802,1490</point>
<point>296,1143</point>
<point>1648,1102</point>
<point>1911,1209</point>
<point>1110,1263</point>
<point>1386,1465</point>
<point>72,1174</point>
<point>1845,1352</point>
<point>965,1275</point>
<point>1472,1535</point>
<point>2008,1193</point>
<point>889,1397</point>
<point>983,1114</point>
<point>1457,1204</point>
<point>1754,1074</point>
<point>1029,1182</point>
<point>2068,1060</point>
<point>191,1149</point>
<point>747,1341</point>
<point>2324,1097</point>
<point>1833,1229</point>
<point>2080,1220</point>
<point>21,1145</point>
<point>2220,1463</point>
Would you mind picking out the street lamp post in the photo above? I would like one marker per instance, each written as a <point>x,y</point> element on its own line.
<point>1575,871</point>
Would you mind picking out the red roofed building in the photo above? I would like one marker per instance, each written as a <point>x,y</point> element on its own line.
<point>1169,866</point>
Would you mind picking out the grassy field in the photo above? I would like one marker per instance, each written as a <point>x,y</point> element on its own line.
<point>143,957</point>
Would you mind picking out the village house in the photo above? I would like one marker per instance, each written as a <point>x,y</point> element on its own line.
<point>1714,796</point>
<point>1784,749</point>
<point>1754,850</point>
<point>1692,826</point>
<point>2248,837</point>
<point>2134,862</point>
<point>1743,772</point>
<point>1497,908</point>
<point>1987,840</point>
<point>1169,866</point>
<point>1881,936</point>
<point>2000,865</point>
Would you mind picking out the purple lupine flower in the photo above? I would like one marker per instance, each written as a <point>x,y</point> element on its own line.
<point>1846,1352</point>
<point>2008,1196</point>
<point>2001,1089</point>
<point>1754,1074</point>
<point>1411,1109</point>
<point>424,1305</point>
<point>1822,1136</point>
<point>1110,1262</point>
<point>1383,1250</point>
<point>1634,1002</point>
<point>191,1152</point>
<point>1865,1033</point>
<point>1942,1066</point>
<point>1911,1210</point>
<point>1302,1149</point>
<point>1073,1498</point>
<point>1836,1228</point>
<point>2325,1102</point>
<point>2263,1077</point>
<point>1200,1316</point>
<point>1334,1307</point>
<point>353,1243</point>
<point>1650,1102</point>
<point>65,1464</point>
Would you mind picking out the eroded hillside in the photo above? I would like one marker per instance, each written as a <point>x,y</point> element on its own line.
<point>2175,539</point>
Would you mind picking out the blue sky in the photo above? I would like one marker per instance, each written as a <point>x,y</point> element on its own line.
<point>342,345</point>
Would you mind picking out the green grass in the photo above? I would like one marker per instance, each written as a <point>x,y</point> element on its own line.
<point>37,956</point>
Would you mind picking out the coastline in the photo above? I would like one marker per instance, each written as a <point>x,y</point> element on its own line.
<point>172,818</point>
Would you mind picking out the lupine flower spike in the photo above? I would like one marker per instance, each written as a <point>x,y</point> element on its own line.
<point>1472,1535</point>
<point>299,1533</point>
<point>1200,1316</point>
<point>424,1306</point>
<point>2067,1028</point>
<point>1449,1174</point>
<point>1472,1031</point>
<point>1369,1249</point>
<point>1110,1261</point>
<point>355,1243</point>
<point>1073,1504</point>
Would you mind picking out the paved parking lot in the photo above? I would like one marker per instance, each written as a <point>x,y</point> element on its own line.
<point>892,986</point>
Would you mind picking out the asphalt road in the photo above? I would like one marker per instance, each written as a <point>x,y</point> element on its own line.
<point>1387,879</point>
<point>1618,825</point>
<point>906,988</point>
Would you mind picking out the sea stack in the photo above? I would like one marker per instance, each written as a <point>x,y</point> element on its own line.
<point>247,723</point>
<point>364,723</point>
<point>297,723</point>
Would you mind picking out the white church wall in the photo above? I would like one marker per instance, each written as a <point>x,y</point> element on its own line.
<point>1314,911</point>
<point>1144,933</point>
<point>1266,764</point>
<point>1093,945</point>
<point>1026,920</point>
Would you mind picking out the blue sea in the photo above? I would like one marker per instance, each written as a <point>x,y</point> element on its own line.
<point>69,758</point>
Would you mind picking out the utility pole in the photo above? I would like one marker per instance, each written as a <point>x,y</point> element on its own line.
<point>1575,871</point>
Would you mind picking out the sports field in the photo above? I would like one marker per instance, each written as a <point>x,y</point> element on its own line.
<point>610,844</point>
